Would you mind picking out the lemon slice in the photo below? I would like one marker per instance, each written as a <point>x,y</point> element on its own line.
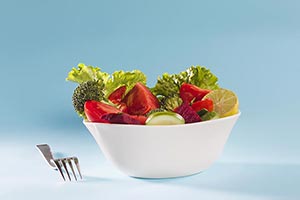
<point>225,102</point>
<point>164,118</point>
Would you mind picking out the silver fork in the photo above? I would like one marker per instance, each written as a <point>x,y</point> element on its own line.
<point>60,164</point>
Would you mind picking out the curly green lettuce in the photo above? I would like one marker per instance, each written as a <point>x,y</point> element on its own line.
<point>111,82</point>
<point>168,85</point>
<point>120,78</point>
<point>86,73</point>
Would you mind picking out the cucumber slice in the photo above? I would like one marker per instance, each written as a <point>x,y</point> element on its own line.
<point>164,118</point>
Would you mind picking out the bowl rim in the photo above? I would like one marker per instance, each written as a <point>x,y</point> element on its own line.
<point>174,125</point>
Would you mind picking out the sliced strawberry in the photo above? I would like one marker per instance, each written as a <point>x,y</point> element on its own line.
<point>208,104</point>
<point>117,95</point>
<point>140,100</point>
<point>95,109</point>
<point>187,112</point>
<point>188,92</point>
<point>120,118</point>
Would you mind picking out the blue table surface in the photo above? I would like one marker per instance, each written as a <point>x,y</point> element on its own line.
<point>251,46</point>
<point>240,173</point>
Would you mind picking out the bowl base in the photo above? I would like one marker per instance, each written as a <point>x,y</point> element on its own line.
<point>166,177</point>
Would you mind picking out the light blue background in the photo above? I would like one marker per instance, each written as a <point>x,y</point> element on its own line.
<point>252,46</point>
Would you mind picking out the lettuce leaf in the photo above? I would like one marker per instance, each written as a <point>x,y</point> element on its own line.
<point>111,82</point>
<point>168,85</point>
<point>202,77</point>
<point>120,78</point>
<point>86,73</point>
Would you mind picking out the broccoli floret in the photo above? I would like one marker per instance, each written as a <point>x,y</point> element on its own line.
<point>170,103</point>
<point>90,90</point>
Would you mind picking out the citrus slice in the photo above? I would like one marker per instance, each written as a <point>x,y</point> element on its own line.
<point>164,118</point>
<point>225,102</point>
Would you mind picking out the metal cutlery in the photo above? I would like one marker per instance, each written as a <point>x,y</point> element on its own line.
<point>64,165</point>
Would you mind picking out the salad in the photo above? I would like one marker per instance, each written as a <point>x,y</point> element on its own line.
<point>123,97</point>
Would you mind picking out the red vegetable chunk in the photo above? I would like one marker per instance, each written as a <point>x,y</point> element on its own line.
<point>122,107</point>
<point>187,112</point>
<point>208,104</point>
<point>120,118</point>
<point>189,92</point>
<point>141,118</point>
<point>117,95</point>
<point>95,109</point>
<point>140,100</point>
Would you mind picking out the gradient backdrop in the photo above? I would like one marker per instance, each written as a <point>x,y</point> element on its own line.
<point>252,46</point>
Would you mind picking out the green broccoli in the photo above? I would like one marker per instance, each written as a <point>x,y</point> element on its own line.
<point>170,103</point>
<point>89,90</point>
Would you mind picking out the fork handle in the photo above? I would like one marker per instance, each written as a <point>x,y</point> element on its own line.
<point>45,150</point>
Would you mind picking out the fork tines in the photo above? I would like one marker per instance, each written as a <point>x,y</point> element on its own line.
<point>63,164</point>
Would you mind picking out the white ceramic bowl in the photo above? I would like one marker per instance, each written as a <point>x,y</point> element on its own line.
<point>162,151</point>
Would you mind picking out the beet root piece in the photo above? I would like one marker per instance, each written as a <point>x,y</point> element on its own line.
<point>120,118</point>
<point>188,113</point>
